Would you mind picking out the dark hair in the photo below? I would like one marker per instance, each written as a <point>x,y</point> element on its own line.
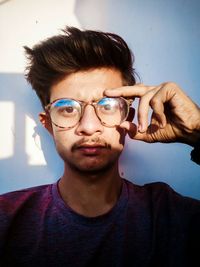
<point>76,50</point>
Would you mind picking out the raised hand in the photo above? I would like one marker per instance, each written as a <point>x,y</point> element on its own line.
<point>175,117</point>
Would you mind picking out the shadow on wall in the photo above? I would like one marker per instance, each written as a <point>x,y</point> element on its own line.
<point>3,2</point>
<point>149,28</point>
<point>164,36</point>
<point>16,172</point>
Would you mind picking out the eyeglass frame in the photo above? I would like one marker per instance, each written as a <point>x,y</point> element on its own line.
<point>83,104</point>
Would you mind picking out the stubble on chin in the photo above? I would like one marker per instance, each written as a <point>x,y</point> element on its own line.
<point>90,165</point>
<point>92,170</point>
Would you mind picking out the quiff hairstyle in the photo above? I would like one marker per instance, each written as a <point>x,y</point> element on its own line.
<point>76,50</point>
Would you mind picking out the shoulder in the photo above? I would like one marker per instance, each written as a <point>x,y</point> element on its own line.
<point>22,209</point>
<point>162,196</point>
<point>13,201</point>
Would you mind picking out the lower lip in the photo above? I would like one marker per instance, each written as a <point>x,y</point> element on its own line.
<point>91,150</point>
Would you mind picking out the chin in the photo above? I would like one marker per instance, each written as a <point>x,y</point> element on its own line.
<point>92,168</point>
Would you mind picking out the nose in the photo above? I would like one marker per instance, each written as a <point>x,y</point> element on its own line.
<point>89,123</point>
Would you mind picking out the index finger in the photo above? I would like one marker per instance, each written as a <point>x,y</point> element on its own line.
<point>137,90</point>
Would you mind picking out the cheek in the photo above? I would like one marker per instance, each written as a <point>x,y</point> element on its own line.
<point>63,139</point>
<point>117,138</point>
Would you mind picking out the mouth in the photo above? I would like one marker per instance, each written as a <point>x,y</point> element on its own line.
<point>91,149</point>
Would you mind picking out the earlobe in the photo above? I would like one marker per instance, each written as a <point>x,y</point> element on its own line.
<point>46,121</point>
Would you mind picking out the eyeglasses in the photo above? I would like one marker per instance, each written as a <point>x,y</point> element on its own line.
<point>66,113</point>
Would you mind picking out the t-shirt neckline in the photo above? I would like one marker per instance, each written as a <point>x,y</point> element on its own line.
<point>72,215</point>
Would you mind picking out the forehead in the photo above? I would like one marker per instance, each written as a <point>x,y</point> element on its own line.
<point>87,85</point>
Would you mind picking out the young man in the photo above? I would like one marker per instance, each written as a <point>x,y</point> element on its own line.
<point>91,216</point>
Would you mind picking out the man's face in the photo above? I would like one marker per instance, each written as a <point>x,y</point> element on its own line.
<point>88,146</point>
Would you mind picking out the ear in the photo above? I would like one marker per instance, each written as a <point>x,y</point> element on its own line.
<point>131,114</point>
<point>46,122</point>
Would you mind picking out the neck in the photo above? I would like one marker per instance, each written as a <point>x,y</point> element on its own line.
<point>90,194</point>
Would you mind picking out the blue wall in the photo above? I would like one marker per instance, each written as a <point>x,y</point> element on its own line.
<point>165,38</point>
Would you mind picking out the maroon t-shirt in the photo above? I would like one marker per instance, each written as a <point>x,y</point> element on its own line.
<point>150,225</point>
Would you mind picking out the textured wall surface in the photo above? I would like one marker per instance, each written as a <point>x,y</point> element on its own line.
<point>165,38</point>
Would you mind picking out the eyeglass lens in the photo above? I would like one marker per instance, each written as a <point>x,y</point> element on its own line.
<point>66,113</point>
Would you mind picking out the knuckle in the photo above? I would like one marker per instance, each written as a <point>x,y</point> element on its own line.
<point>154,102</point>
<point>169,85</point>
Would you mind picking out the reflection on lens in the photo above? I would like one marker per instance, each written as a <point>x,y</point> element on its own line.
<point>62,102</point>
<point>112,111</point>
<point>108,105</point>
<point>65,112</point>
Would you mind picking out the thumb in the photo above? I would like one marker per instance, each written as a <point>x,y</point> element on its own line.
<point>132,130</point>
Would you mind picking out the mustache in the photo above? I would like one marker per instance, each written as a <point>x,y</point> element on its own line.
<point>91,141</point>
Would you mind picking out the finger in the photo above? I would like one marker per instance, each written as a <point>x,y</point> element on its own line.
<point>143,110</point>
<point>157,102</point>
<point>137,90</point>
<point>158,112</point>
<point>132,130</point>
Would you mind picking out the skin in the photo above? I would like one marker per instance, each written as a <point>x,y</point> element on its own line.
<point>175,117</point>
<point>91,182</point>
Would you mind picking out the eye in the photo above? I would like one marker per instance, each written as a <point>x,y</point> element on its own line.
<point>108,105</point>
<point>67,109</point>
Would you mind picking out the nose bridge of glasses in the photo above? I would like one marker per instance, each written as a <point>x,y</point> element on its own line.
<point>93,104</point>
